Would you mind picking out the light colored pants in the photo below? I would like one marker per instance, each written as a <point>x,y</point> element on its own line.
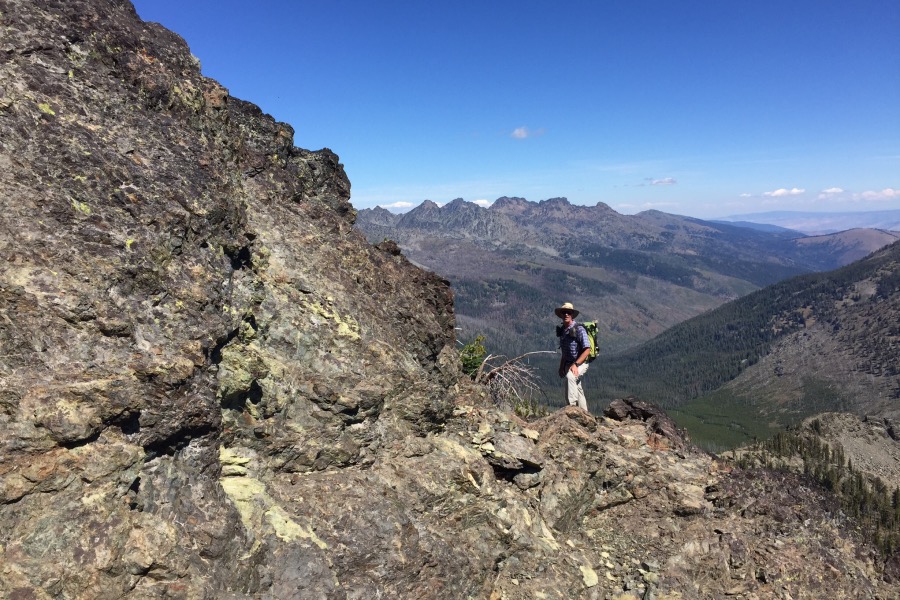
<point>574,393</point>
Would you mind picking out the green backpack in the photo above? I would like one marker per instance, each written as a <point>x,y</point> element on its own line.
<point>591,328</point>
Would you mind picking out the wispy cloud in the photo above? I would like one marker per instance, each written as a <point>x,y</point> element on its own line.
<point>652,181</point>
<point>784,192</point>
<point>397,205</point>
<point>885,194</point>
<point>836,194</point>
<point>521,133</point>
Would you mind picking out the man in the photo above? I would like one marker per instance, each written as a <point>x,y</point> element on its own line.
<point>575,347</point>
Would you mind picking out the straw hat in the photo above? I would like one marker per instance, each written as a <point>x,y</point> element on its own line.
<point>567,307</point>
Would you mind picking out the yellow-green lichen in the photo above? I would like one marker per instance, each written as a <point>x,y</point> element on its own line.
<point>546,536</point>
<point>255,505</point>
<point>242,491</point>
<point>346,326</point>
<point>45,108</point>
<point>288,530</point>
<point>81,207</point>
<point>234,466</point>
<point>454,449</point>
<point>589,576</point>
<point>227,456</point>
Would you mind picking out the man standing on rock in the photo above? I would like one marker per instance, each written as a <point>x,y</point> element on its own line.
<point>575,347</point>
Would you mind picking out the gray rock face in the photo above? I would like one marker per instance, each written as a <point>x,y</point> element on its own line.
<point>212,387</point>
<point>184,313</point>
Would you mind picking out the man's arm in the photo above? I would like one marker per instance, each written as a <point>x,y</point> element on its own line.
<point>585,343</point>
<point>580,360</point>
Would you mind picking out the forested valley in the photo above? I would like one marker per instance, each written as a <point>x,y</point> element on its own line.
<point>684,319</point>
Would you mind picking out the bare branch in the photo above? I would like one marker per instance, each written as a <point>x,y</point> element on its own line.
<point>483,363</point>
<point>512,382</point>
<point>513,362</point>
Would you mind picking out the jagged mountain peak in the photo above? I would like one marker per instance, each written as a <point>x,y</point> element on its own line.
<point>558,202</point>
<point>426,213</point>
<point>459,205</point>
<point>509,203</point>
<point>379,216</point>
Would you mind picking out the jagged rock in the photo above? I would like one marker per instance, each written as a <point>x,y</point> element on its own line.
<point>389,246</point>
<point>658,422</point>
<point>211,387</point>
<point>513,453</point>
<point>892,429</point>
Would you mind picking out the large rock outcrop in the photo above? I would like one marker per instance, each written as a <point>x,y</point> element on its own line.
<point>185,312</point>
<point>212,387</point>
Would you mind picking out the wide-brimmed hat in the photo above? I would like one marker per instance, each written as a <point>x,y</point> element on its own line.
<point>567,307</point>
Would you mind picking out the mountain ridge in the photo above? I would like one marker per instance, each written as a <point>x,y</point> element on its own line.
<point>637,274</point>
<point>816,223</point>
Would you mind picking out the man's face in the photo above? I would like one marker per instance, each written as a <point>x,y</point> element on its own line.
<point>567,318</point>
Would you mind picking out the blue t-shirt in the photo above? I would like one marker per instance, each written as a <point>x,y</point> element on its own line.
<point>573,342</point>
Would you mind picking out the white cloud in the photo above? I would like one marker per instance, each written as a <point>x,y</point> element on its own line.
<point>398,205</point>
<point>784,192</point>
<point>664,181</point>
<point>521,133</point>
<point>484,203</point>
<point>837,194</point>
<point>746,195</point>
<point>885,194</point>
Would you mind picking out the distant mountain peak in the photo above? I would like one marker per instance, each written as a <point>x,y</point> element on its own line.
<point>458,204</point>
<point>560,201</point>
<point>504,201</point>
<point>378,216</point>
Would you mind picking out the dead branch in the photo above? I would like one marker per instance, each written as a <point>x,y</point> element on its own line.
<point>512,381</point>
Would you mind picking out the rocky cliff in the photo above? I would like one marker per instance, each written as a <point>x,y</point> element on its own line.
<point>212,387</point>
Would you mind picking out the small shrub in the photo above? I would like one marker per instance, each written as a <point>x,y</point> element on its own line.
<point>472,355</point>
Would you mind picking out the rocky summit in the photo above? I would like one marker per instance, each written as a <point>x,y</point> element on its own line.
<point>211,386</point>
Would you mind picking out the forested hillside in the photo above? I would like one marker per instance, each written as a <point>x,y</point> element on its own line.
<point>811,343</point>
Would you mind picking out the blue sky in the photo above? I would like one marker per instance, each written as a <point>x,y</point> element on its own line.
<point>704,108</point>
